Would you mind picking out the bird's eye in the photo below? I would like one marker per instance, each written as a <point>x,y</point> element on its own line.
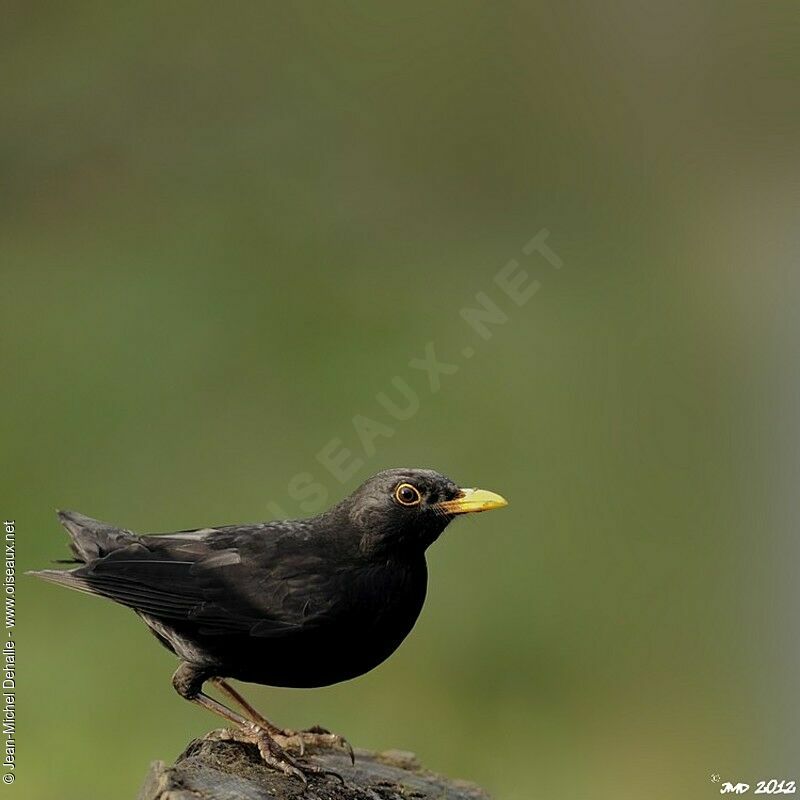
<point>407,495</point>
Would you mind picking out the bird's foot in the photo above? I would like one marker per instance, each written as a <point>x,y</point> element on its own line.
<point>273,753</point>
<point>316,738</point>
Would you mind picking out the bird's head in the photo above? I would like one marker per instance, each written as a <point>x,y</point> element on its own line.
<point>407,509</point>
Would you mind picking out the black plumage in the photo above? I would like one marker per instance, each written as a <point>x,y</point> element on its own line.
<point>299,603</point>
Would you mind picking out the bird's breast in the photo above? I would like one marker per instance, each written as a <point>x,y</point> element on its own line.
<point>385,601</point>
<point>376,611</point>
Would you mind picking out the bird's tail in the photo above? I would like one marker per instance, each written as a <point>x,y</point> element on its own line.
<point>63,578</point>
<point>90,538</point>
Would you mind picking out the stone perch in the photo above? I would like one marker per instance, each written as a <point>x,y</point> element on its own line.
<point>214,769</point>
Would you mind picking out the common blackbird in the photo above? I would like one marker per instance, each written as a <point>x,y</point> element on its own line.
<point>300,603</point>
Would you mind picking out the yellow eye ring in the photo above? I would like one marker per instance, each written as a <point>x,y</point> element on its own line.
<point>407,495</point>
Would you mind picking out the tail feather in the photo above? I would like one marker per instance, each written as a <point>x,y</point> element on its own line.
<point>62,578</point>
<point>90,538</point>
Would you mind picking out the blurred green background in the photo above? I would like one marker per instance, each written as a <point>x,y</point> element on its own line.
<point>225,229</point>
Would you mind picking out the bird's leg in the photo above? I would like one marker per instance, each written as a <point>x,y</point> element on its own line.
<point>313,738</point>
<point>188,681</point>
<point>251,713</point>
<point>271,752</point>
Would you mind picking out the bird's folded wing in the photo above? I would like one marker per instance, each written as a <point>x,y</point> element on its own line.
<point>217,590</point>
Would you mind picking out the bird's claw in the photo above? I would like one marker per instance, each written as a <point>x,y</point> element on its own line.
<point>315,738</point>
<point>273,753</point>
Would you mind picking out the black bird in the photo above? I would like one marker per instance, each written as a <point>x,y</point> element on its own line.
<point>298,603</point>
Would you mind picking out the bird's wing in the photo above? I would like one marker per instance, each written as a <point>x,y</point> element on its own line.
<point>259,581</point>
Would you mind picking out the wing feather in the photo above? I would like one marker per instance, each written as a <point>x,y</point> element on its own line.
<point>223,582</point>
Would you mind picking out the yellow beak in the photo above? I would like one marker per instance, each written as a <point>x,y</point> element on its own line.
<point>471,501</point>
